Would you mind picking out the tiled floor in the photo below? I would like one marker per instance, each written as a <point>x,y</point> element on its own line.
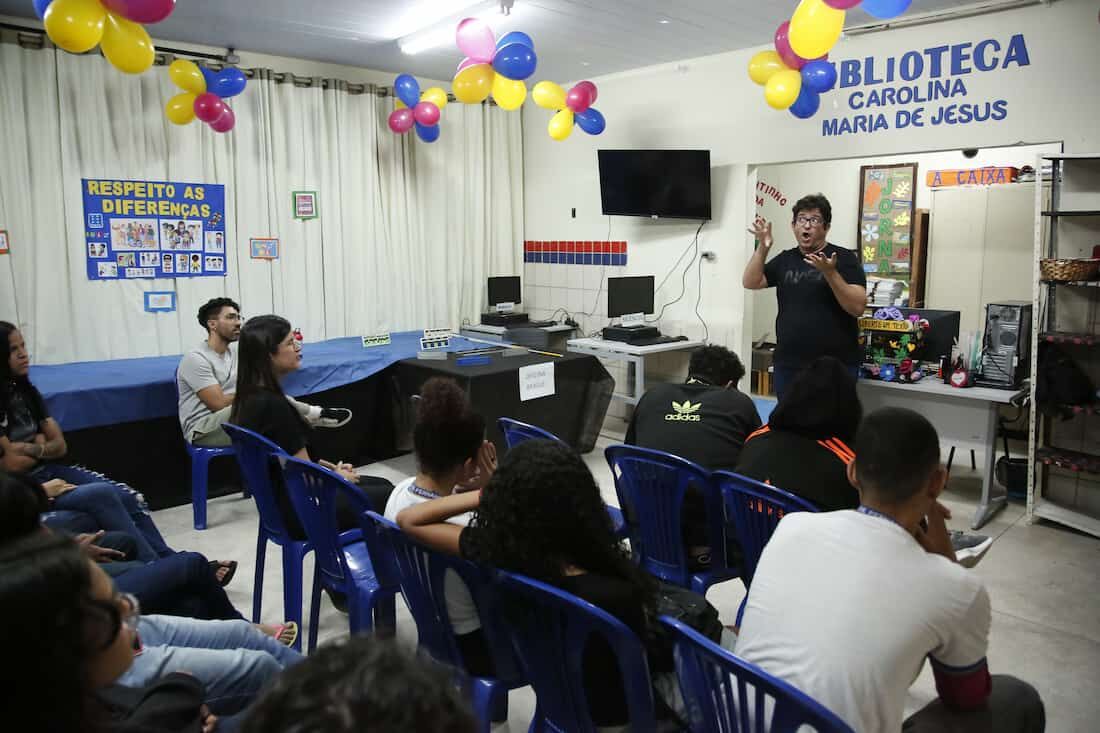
<point>1044,582</point>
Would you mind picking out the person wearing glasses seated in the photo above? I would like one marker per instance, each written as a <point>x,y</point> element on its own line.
<point>821,289</point>
<point>207,380</point>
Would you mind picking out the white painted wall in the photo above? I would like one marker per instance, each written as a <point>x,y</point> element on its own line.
<point>711,103</point>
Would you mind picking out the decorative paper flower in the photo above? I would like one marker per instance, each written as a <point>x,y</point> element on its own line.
<point>902,189</point>
<point>870,232</point>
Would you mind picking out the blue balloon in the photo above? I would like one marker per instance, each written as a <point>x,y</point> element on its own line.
<point>818,76</point>
<point>407,90</point>
<point>885,9</point>
<point>806,105</point>
<point>591,121</point>
<point>515,61</point>
<point>229,83</point>
<point>426,133</point>
<point>41,5</point>
<point>515,37</point>
<point>210,76</point>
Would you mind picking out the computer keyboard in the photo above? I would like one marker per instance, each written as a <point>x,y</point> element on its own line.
<point>658,340</point>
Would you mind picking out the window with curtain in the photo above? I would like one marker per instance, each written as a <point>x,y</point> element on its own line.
<point>407,233</point>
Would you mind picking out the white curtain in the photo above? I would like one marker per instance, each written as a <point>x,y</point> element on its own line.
<point>406,236</point>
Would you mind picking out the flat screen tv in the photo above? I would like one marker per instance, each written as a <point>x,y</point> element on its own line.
<point>672,184</point>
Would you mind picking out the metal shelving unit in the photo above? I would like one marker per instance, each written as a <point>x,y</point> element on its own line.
<point>1064,456</point>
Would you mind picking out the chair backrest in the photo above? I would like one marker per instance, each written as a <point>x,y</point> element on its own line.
<point>549,629</point>
<point>726,694</point>
<point>754,509</point>
<point>421,573</point>
<point>313,490</point>
<point>256,456</point>
<point>651,485</point>
<point>516,432</point>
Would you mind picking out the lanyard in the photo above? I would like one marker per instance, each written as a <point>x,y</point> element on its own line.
<point>422,493</point>
<point>875,513</point>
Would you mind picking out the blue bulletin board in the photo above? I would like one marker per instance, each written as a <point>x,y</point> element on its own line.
<point>150,229</point>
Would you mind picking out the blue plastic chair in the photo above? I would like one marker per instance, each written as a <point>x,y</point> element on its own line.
<point>256,456</point>
<point>342,562</point>
<point>754,509</point>
<point>516,432</point>
<point>421,574</point>
<point>549,630</point>
<point>726,694</point>
<point>200,471</point>
<point>651,485</point>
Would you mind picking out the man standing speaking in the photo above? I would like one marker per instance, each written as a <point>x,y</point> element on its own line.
<point>821,290</point>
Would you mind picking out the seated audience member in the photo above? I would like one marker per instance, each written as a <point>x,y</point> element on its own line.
<point>887,577</point>
<point>207,379</point>
<point>705,420</point>
<point>362,684</point>
<point>804,448</point>
<point>451,452</point>
<point>70,638</point>
<point>269,352</point>
<point>541,515</point>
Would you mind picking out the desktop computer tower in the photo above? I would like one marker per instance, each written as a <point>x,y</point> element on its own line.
<point>1006,345</point>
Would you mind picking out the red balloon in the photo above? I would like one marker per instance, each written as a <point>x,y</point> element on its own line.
<point>578,99</point>
<point>141,11</point>
<point>401,120</point>
<point>842,4</point>
<point>783,47</point>
<point>225,122</point>
<point>590,88</point>
<point>209,106</point>
<point>426,113</point>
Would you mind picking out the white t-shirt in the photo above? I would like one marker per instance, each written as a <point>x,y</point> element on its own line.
<point>845,606</point>
<point>460,606</point>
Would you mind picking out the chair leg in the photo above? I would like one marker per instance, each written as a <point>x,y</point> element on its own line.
<point>258,585</point>
<point>950,459</point>
<point>741,609</point>
<point>498,707</point>
<point>483,705</point>
<point>315,611</point>
<point>973,461</point>
<point>200,470</point>
<point>293,556</point>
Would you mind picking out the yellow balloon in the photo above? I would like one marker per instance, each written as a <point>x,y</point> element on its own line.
<point>815,28</point>
<point>186,75</point>
<point>509,94</point>
<point>548,95</point>
<point>561,124</point>
<point>783,88</point>
<point>398,104</point>
<point>435,95</point>
<point>126,45</point>
<point>181,108</point>
<point>765,64</point>
<point>75,25</point>
<point>473,84</point>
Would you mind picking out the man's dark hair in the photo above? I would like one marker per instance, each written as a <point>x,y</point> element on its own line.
<point>897,450</point>
<point>814,201</point>
<point>213,308</point>
<point>715,365</point>
<point>363,684</point>
<point>22,500</point>
<point>821,403</point>
<point>448,431</point>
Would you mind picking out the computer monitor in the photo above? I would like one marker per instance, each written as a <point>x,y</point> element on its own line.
<point>504,290</point>
<point>626,295</point>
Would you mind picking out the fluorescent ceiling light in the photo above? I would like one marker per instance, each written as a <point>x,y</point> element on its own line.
<point>424,14</point>
<point>442,31</point>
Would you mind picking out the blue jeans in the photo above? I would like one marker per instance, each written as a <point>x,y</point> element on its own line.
<point>112,506</point>
<point>782,376</point>
<point>233,659</point>
<point>179,585</point>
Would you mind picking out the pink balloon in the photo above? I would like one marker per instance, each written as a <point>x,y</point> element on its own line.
<point>475,39</point>
<point>464,63</point>
<point>225,122</point>
<point>401,120</point>
<point>426,113</point>
<point>209,107</point>
<point>141,11</point>
<point>842,4</point>
<point>590,88</point>
<point>578,99</point>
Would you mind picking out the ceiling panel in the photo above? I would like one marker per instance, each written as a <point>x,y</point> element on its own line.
<point>573,38</point>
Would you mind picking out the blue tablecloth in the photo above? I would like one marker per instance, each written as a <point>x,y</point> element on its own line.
<point>91,393</point>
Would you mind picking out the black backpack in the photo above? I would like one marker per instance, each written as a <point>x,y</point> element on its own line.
<point>1060,381</point>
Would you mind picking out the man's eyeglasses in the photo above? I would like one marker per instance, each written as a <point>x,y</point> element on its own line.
<point>811,220</point>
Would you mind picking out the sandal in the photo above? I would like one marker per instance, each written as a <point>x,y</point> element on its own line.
<point>289,626</point>
<point>230,570</point>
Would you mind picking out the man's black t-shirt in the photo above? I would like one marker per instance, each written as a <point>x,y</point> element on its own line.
<point>816,470</point>
<point>704,424</point>
<point>811,322</point>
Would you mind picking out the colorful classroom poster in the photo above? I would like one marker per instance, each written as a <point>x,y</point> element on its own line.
<point>148,229</point>
<point>886,202</point>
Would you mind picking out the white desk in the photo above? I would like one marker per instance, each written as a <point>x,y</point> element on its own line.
<point>621,351</point>
<point>962,417</point>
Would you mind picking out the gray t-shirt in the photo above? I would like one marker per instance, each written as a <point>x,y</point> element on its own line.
<point>200,368</point>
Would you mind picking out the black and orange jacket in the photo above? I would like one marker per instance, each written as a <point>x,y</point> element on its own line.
<point>816,470</point>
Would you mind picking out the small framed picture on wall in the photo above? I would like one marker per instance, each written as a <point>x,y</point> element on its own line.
<point>4,248</point>
<point>264,249</point>
<point>305,205</point>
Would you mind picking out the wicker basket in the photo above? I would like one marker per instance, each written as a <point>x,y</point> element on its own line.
<point>1066,270</point>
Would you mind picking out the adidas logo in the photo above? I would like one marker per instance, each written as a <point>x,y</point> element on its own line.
<point>684,412</point>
